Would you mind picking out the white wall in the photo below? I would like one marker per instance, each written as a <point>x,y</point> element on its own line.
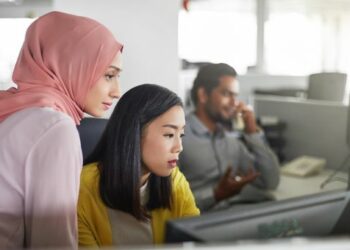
<point>12,33</point>
<point>148,30</point>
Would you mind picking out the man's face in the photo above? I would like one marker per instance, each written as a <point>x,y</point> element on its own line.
<point>221,101</point>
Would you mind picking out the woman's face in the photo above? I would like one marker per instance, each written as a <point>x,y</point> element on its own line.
<point>161,142</point>
<point>100,97</point>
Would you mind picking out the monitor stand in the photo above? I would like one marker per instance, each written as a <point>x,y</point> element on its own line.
<point>332,176</point>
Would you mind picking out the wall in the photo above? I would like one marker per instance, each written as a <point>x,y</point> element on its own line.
<point>147,28</point>
<point>13,30</point>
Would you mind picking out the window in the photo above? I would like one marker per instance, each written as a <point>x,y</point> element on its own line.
<point>304,37</point>
<point>219,31</point>
<point>10,45</point>
<point>301,37</point>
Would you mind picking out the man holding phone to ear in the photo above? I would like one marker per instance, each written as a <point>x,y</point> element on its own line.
<point>217,164</point>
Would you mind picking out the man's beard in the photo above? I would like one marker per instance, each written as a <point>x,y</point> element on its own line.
<point>215,116</point>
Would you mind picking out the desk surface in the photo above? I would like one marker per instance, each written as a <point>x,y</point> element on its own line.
<point>291,186</point>
<point>279,244</point>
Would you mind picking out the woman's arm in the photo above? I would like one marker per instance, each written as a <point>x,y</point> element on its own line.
<point>51,180</point>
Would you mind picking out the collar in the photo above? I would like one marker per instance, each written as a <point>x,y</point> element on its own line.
<point>199,128</point>
<point>144,194</point>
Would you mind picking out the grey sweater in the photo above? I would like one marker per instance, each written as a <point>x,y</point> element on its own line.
<point>206,157</point>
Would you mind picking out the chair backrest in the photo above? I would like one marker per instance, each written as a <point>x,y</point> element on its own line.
<point>329,86</point>
<point>90,132</point>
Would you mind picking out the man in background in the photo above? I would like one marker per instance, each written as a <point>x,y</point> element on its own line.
<point>217,164</point>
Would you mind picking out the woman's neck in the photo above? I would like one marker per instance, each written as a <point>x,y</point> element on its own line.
<point>144,178</point>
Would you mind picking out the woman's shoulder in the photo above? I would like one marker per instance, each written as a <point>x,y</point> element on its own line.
<point>31,125</point>
<point>183,200</point>
<point>178,179</point>
<point>40,120</point>
<point>44,115</point>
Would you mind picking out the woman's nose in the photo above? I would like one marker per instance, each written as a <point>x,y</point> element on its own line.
<point>115,91</point>
<point>178,146</point>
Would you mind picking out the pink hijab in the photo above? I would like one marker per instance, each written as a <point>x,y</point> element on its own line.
<point>62,57</point>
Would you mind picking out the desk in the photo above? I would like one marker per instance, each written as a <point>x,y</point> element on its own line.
<point>278,244</point>
<point>291,186</point>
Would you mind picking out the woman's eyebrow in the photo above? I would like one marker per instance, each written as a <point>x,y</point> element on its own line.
<point>172,126</point>
<point>116,68</point>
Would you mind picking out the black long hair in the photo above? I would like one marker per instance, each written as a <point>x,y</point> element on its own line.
<point>118,152</point>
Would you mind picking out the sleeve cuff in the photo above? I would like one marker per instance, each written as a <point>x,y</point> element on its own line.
<point>255,137</point>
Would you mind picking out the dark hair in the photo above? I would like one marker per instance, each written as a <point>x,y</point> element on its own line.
<point>208,77</point>
<point>118,152</point>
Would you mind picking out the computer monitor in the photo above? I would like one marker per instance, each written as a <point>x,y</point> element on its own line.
<point>324,214</point>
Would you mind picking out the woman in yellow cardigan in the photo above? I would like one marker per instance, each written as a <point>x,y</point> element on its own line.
<point>131,185</point>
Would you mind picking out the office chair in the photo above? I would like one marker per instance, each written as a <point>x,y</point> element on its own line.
<point>328,86</point>
<point>90,131</point>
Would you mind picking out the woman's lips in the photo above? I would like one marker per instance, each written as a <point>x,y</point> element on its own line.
<point>172,163</point>
<point>106,105</point>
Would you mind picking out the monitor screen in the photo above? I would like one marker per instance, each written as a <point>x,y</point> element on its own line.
<point>308,216</point>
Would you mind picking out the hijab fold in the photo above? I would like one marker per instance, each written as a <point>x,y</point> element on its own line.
<point>62,57</point>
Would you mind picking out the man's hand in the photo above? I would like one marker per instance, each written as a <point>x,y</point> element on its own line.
<point>230,185</point>
<point>248,116</point>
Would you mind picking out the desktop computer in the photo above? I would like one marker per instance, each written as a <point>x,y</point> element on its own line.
<point>324,214</point>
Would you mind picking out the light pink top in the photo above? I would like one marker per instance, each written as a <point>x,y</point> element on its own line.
<point>38,196</point>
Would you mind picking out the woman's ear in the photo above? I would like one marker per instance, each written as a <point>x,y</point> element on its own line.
<point>202,95</point>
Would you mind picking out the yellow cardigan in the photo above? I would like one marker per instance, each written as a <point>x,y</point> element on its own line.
<point>93,222</point>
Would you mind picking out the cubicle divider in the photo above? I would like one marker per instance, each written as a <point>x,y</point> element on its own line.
<point>315,128</point>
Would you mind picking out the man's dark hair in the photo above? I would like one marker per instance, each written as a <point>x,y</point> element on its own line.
<point>208,78</point>
<point>118,152</point>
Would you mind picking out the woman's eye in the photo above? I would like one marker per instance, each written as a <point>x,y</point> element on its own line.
<point>109,77</point>
<point>182,135</point>
<point>169,135</point>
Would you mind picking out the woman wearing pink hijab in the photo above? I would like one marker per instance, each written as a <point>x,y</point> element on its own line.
<point>68,65</point>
